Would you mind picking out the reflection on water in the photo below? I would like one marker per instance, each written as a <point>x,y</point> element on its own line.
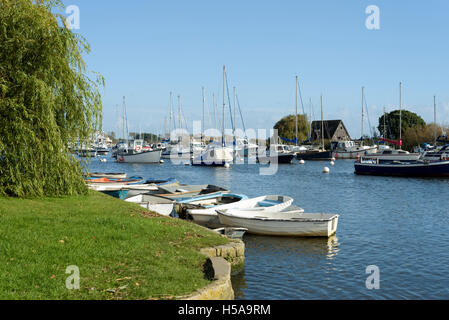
<point>278,255</point>
<point>398,224</point>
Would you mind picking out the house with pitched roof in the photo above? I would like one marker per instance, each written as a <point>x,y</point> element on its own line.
<point>334,130</point>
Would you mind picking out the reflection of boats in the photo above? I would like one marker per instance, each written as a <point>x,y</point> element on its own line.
<point>157,204</point>
<point>422,167</point>
<point>207,216</point>
<point>291,221</point>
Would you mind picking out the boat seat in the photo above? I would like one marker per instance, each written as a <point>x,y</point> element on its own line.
<point>268,203</point>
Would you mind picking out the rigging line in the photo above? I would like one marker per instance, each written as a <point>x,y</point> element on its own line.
<point>241,116</point>
<point>303,111</point>
<point>367,115</point>
<point>185,120</point>
<point>229,101</point>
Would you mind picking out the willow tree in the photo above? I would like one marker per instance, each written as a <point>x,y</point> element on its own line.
<point>287,127</point>
<point>48,100</point>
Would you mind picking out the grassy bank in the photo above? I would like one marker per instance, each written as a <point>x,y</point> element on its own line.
<point>121,251</point>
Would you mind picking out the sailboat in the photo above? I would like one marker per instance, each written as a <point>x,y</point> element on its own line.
<point>351,149</point>
<point>134,151</point>
<point>387,154</point>
<point>217,154</point>
<point>319,153</point>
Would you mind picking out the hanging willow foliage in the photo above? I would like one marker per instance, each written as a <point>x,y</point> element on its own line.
<point>47,100</point>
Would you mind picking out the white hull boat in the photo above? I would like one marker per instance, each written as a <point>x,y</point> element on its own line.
<point>288,222</point>
<point>110,175</point>
<point>393,155</point>
<point>214,156</point>
<point>208,216</point>
<point>152,156</point>
<point>157,204</point>
<point>351,150</point>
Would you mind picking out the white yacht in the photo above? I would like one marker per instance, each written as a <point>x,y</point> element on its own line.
<point>351,149</point>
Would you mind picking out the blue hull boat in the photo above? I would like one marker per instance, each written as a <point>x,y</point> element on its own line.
<point>417,168</point>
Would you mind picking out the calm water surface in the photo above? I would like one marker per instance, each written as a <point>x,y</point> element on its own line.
<point>400,225</point>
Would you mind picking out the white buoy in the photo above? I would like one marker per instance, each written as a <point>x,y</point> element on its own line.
<point>326,170</point>
<point>226,165</point>
<point>161,161</point>
<point>333,159</point>
<point>103,160</point>
<point>331,163</point>
<point>301,161</point>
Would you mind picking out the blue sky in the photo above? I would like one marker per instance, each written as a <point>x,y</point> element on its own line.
<point>145,49</point>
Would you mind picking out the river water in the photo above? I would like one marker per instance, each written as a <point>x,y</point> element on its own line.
<point>398,225</point>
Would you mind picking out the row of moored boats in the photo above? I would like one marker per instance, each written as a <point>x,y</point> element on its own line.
<point>217,208</point>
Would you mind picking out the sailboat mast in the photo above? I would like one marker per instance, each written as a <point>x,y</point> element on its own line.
<point>322,123</point>
<point>235,94</point>
<point>215,111</point>
<point>124,121</point>
<point>361,136</point>
<point>202,122</point>
<point>385,129</point>
<point>310,121</point>
<point>179,112</point>
<point>400,114</point>
<point>296,111</point>
<point>171,115</point>
<point>224,105</point>
<point>435,116</point>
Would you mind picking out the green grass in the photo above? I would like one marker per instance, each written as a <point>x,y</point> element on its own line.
<point>121,251</point>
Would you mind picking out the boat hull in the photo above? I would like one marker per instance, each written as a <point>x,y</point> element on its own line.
<point>153,156</point>
<point>319,156</point>
<point>354,154</point>
<point>280,158</point>
<point>432,169</point>
<point>208,217</point>
<point>306,227</point>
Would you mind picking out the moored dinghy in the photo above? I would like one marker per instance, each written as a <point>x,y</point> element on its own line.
<point>231,232</point>
<point>112,187</point>
<point>110,175</point>
<point>149,185</point>
<point>208,216</point>
<point>184,193</point>
<point>291,221</point>
<point>157,204</point>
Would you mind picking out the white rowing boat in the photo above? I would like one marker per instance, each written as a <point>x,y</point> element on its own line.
<point>288,222</point>
<point>157,204</point>
<point>208,216</point>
